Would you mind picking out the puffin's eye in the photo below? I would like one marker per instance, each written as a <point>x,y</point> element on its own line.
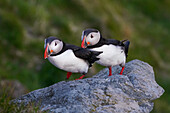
<point>55,43</point>
<point>91,36</point>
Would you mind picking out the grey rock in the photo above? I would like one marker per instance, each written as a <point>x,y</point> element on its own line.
<point>132,92</point>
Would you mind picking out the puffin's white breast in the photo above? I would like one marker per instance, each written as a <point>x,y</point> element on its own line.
<point>112,55</point>
<point>69,62</point>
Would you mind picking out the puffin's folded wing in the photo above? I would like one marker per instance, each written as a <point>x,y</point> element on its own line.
<point>90,56</point>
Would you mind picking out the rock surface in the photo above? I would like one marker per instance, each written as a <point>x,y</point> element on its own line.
<point>132,92</point>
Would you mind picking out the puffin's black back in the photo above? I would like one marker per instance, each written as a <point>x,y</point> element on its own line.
<point>124,44</point>
<point>104,41</point>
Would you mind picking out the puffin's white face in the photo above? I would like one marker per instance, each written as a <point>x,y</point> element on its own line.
<point>92,38</point>
<point>55,46</point>
<point>52,46</point>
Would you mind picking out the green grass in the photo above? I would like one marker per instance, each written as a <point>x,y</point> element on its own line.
<point>7,107</point>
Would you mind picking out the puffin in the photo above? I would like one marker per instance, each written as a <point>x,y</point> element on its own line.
<point>114,51</point>
<point>70,58</point>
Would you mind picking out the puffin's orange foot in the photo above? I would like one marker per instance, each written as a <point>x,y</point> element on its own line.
<point>122,71</point>
<point>110,71</point>
<point>80,77</point>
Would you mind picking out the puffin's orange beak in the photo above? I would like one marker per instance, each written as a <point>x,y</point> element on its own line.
<point>46,52</point>
<point>83,43</point>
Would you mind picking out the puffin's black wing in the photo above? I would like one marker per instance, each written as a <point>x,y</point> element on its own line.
<point>90,56</point>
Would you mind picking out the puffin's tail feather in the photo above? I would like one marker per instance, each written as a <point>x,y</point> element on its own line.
<point>122,41</point>
<point>126,43</point>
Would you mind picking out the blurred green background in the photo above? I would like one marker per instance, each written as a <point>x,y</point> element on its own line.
<point>24,24</point>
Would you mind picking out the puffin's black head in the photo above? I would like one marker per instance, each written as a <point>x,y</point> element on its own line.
<point>52,45</point>
<point>90,37</point>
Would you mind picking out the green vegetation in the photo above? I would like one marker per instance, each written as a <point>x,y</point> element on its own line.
<point>24,24</point>
<point>7,107</point>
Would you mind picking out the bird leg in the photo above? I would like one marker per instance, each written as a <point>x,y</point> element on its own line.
<point>110,71</point>
<point>80,77</point>
<point>68,75</point>
<point>122,70</point>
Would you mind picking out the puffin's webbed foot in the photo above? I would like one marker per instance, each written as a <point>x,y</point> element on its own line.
<point>80,77</point>
<point>122,70</point>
